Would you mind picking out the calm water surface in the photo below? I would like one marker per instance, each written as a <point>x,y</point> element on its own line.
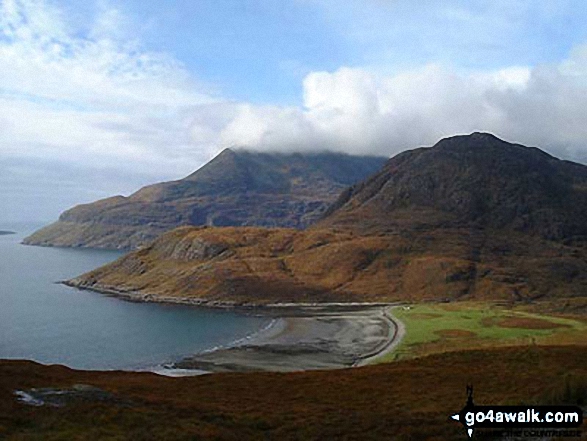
<point>51,323</point>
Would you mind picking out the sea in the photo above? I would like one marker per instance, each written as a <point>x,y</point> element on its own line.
<point>45,321</point>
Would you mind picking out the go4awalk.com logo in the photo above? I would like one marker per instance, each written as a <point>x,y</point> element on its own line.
<point>518,417</point>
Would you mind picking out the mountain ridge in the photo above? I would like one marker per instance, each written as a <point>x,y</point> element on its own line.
<point>237,187</point>
<point>419,229</point>
<point>477,180</point>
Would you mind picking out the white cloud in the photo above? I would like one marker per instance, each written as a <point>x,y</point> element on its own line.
<point>95,98</point>
<point>97,101</point>
<point>101,100</point>
<point>358,110</point>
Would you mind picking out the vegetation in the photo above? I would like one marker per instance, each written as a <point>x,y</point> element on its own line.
<point>406,400</point>
<point>571,388</point>
<point>472,218</point>
<point>261,265</point>
<point>237,187</point>
<point>434,328</point>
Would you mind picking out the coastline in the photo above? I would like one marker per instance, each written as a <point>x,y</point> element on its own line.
<point>303,340</point>
<point>396,335</point>
<point>301,336</point>
<point>136,296</point>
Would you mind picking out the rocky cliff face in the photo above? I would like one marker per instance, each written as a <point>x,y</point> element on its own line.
<point>473,217</point>
<point>236,188</point>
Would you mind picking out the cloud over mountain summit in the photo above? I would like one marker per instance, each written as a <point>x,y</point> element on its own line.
<point>91,95</point>
<point>357,110</point>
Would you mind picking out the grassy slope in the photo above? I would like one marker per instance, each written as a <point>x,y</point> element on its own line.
<point>473,217</point>
<point>404,400</point>
<point>434,328</point>
<point>259,265</point>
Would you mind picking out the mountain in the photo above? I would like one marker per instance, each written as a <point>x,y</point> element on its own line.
<point>237,187</point>
<point>475,181</point>
<point>473,217</point>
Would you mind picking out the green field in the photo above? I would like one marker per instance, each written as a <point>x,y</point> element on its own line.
<point>433,328</point>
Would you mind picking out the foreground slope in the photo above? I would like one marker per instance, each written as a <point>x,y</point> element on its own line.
<point>471,217</point>
<point>407,400</point>
<point>237,187</point>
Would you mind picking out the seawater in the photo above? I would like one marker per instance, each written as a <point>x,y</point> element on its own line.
<point>45,321</point>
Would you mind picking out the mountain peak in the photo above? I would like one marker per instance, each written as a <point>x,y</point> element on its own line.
<point>484,135</point>
<point>237,187</point>
<point>476,180</point>
<point>473,139</point>
<point>226,152</point>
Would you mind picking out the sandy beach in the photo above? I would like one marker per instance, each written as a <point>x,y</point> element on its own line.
<point>301,336</point>
<point>307,338</point>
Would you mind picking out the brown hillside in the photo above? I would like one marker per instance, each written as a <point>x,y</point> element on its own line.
<point>407,400</point>
<point>476,182</point>
<point>256,265</point>
<point>236,188</point>
<point>472,217</point>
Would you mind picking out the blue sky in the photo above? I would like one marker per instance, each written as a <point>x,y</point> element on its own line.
<point>249,50</point>
<point>101,97</point>
<point>259,50</point>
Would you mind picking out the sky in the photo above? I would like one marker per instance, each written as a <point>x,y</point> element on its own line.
<point>101,97</point>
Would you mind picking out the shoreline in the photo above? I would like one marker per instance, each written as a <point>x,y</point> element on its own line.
<point>139,297</point>
<point>396,336</point>
<point>301,336</point>
<point>307,341</point>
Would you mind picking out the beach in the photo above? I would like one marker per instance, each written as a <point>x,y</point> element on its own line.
<point>300,336</point>
<point>307,338</point>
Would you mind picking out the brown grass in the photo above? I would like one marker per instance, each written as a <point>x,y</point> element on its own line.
<point>260,265</point>
<point>408,400</point>
<point>529,323</point>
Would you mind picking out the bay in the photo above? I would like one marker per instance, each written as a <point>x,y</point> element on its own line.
<point>48,322</point>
